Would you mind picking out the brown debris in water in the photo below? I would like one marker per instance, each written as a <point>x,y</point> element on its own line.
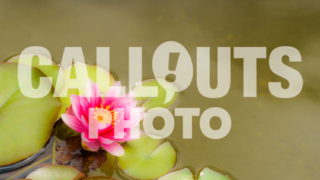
<point>70,152</point>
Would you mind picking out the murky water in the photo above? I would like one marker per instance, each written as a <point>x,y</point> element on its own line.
<point>271,138</point>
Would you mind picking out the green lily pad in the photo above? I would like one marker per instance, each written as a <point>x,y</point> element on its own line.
<point>209,174</point>
<point>92,73</point>
<point>56,172</point>
<point>147,158</point>
<point>183,174</point>
<point>99,178</point>
<point>164,89</point>
<point>25,123</point>
<point>48,70</point>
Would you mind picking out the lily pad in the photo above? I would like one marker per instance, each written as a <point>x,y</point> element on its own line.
<point>147,158</point>
<point>99,178</point>
<point>92,73</point>
<point>209,174</point>
<point>25,123</point>
<point>56,172</point>
<point>48,70</point>
<point>164,89</point>
<point>183,174</point>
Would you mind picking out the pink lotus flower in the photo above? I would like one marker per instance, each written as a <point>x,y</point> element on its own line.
<point>105,111</point>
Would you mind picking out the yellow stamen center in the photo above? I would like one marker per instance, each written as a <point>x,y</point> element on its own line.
<point>104,115</point>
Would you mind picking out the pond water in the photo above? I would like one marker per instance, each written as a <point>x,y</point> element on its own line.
<point>271,138</point>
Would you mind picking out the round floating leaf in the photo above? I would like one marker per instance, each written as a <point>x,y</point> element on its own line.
<point>56,172</point>
<point>48,70</point>
<point>25,123</point>
<point>209,174</point>
<point>183,174</point>
<point>164,89</point>
<point>98,178</point>
<point>92,73</point>
<point>146,158</point>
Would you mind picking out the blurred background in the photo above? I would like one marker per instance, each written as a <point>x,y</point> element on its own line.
<point>270,138</point>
